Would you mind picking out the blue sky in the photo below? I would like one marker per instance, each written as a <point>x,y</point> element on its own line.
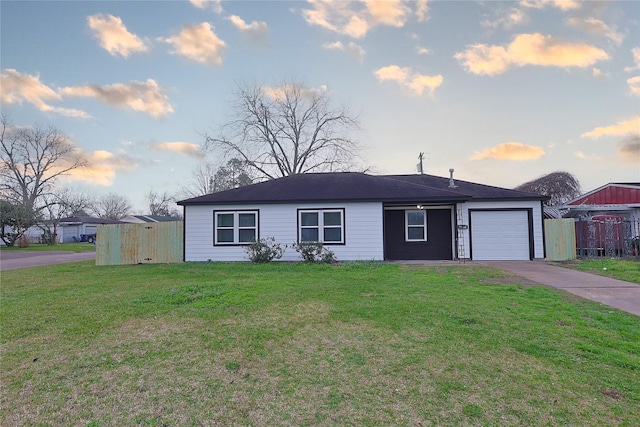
<point>503,92</point>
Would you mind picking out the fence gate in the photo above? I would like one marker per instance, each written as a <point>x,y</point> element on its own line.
<point>560,239</point>
<point>148,243</point>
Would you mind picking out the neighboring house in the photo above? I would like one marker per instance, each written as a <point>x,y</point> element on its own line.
<point>32,234</point>
<point>621,199</point>
<point>72,229</point>
<point>141,219</point>
<point>368,217</point>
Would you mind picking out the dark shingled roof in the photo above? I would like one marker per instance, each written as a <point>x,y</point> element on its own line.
<point>359,187</point>
<point>156,218</point>
<point>87,220</point>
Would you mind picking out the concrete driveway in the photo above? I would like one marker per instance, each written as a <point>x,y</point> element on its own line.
<point>612,292</point>
<point>10,260</point>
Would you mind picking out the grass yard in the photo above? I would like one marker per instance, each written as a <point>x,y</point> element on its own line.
<point>364,344</point>
<point>69,247</point>
<point>621,269</point>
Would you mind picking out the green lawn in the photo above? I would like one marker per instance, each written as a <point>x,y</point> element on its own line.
<point>628,270</point>
<point>362,344</point>
<point>70,247</point>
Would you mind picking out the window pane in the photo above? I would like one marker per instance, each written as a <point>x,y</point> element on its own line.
<point>309,234</point>
<point>247,220</point>
<point>225,236</point>
<point>309,218</point>
<point>415,218</point>
<point>332,234</point>
<point>332,218</point>
<point>415,233</point>
<point>225,220</point>
<point>246,236</point>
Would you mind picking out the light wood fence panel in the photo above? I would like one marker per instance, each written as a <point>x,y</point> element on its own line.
<point>148,243</point>
<point>560,239</point>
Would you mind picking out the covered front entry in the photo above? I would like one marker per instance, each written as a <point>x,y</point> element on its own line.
<point>418,234</point>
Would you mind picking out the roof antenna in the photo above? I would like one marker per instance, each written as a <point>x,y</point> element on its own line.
<point>419,165</point>
<point>452,184</point>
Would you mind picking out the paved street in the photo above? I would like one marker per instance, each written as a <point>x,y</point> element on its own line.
<point>10,260</point>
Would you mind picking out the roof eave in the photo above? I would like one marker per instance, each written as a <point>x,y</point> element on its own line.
<point>307,201</point>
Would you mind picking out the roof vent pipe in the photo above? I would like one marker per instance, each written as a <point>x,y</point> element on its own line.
<point>451,183</point>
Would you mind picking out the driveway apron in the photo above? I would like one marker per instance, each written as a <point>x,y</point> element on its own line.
<point>612,292</point>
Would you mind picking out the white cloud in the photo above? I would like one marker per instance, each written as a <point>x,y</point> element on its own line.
<point>510,151</point>
<point>635,52</point>
<point>279,92</point>
<point>422,50</point>
<point>624,127</point>
<point>564,5</point>
<point>422,10</point>
<point>257,31</point>
<point>356,18</point>
<point>506,19</point>
<point>187,148</point>
<point>114,36</point>
<point>529,49</point>
<point>102,169</point>
<point>215,5</point>
<point>198,43</point>
<point>16,88</point>
<point>597,72</point>
<point>597,27</point>
<point>351,48</point>
<point>634,85</point>
<point>147,97</point>
<point>393,13</point>
<point>408,79</point>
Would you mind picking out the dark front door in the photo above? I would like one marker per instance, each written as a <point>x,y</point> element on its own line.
<point>402,240</point>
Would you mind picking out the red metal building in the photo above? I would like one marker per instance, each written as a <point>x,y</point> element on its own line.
<point>621,199</point>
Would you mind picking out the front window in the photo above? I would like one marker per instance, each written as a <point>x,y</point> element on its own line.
<point>416,226</point>
<point>324,226</point>
<point>235,227</point>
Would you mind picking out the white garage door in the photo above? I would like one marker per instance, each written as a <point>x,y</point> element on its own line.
<point>499,235</point>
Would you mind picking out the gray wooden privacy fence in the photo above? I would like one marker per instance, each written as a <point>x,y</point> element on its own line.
<point>560,239</point>
<point>148,243</point>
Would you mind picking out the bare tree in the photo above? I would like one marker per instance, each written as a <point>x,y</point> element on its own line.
<point>31,161</point>
<point>201,181</point>
<point>560,186</point>
<point>287,130</point>
<point>111,206</point>
<point>59,204</point>
<point>162,204</point>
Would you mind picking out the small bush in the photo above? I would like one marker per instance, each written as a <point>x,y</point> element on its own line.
<point>264,250</point>
<point>327,256</point>
<point>314,252</point>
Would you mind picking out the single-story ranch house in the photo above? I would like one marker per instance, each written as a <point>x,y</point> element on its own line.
<point>368,217</point>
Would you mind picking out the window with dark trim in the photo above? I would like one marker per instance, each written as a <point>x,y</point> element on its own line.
<point>235,227</point>
<point>321,225</point>
<point>415,226</point>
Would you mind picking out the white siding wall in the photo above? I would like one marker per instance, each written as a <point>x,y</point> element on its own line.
<point>363,231</point>
<point>538,246</point>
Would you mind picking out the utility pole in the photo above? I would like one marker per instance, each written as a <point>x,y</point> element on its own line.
<point>419,166</point>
